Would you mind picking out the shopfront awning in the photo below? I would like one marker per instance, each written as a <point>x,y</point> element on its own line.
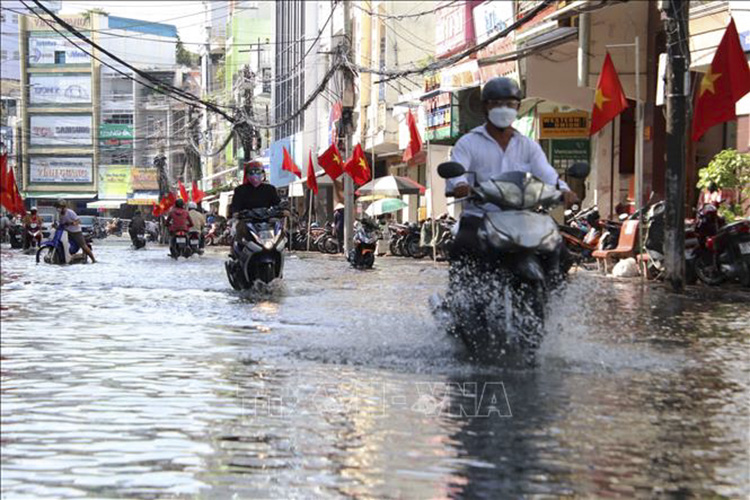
<point>546,41</point>
<point>106,204</point>
<point>59,195</point>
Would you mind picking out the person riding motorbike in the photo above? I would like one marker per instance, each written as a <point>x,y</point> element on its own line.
<point>137,226</point>
<point>32,218</point>
<point>253,193</point>
<point>494,148</point>
<point>178,219</point>
<point>198,219</point>
<point>72,224</point>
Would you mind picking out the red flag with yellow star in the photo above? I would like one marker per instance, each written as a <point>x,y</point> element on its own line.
<point>356,166</point>
<point>609,100</point>
<point>725,82</point>
<point>331,162</point>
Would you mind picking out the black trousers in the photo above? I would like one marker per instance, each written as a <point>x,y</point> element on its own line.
<point>467,239</point>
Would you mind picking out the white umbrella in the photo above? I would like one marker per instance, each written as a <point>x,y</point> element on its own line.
<point>384,206</point>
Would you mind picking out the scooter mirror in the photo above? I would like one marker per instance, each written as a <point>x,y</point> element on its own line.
<point>579,170</point>
<point>450,169</point>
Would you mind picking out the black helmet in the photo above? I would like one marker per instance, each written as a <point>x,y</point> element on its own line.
<point>180,203</point>
<point>61,203</point>
<point>499,88</point>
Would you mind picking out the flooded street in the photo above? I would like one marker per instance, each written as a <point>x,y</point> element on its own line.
<point>141,377</point>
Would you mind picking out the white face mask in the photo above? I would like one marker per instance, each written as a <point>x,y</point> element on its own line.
<point>503,117</point>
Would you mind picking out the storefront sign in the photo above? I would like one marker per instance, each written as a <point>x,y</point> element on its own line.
<point>114,181</point>
<point>38,24</point>
<point>145,179</point>
<point>460,76</point>
<point>49,50</point>
<point>53,169</point>
<point>56,89</point>
<point>59,130</point>
<point>454,29</point>
<point>115,131</point>
<point>566,152</point>
<point>563,125</point>
<point>491,17</point>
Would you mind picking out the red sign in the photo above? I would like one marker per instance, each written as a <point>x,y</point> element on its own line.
<point>454,28</point>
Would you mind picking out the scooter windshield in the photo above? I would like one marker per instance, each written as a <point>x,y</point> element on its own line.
<point>519,191</point>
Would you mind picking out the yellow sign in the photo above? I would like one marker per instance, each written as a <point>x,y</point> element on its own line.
<point>145,179</point>
<point>564,125</point>
<point>114,181</point>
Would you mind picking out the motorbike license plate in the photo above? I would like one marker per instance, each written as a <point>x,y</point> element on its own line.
<point>194,242</point>
<point>745,247</point>
<point>180,240</point>
<point>141,236</point>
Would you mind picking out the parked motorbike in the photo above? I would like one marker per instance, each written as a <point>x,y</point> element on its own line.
<point>497,293</point>
<point>261,258</point>
<point>654,244</point>
<point>581,233</point>
<point>114,227</point>
<point>60,250</point>
<point>724,250</point>
<point>366,236</point>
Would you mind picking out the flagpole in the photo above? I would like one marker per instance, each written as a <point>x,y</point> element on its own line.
<point>309,216</point>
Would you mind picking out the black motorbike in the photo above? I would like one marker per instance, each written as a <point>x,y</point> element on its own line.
<point>261,257</point>
<point>139,240</point>
<point>15,233</point>
<point>366,236</point>
<point>497,292</point>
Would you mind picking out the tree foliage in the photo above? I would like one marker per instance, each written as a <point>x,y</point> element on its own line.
<point>184,56</point>
<point>729,169</point>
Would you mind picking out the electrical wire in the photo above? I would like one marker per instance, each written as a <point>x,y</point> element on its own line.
<point>401,17</point>
<point>142,74</point>
<point>391,74</point>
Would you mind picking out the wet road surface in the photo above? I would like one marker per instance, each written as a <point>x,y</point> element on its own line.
<point>141,377</point>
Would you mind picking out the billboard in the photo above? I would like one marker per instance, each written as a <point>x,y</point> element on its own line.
<point>55,50</point>
<point>60,89</point>
<point>117,131</point>
<point>145,179</point>
<point>114,181</point>
<point>62,170</point>
<point>60,130</point>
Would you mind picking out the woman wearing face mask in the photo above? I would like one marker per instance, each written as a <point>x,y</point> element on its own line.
<point>494,148</point>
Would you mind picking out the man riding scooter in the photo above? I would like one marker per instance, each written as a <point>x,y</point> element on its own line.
<point>199,222</point>
<point>495,148</point>
<point>32,228</point>
<point>137,226</point>
<point>178,220</point>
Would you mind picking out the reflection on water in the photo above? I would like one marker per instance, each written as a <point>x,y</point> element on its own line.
<point>144,377</point>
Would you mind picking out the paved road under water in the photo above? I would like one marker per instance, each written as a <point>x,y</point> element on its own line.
<point>141,377</point>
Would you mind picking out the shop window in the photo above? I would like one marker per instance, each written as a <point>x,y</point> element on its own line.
<point>59,57</point>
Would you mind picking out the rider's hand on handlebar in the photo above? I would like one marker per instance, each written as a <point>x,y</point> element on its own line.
<point>570,198</point>
<point>461,191</point>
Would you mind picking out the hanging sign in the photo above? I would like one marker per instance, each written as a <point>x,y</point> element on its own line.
<point>563,125</point>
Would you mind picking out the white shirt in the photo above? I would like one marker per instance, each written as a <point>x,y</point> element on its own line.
<point>478,152</point>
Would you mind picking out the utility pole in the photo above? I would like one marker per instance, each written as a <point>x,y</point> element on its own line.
<point>678,53</point>
<point>348,124</point>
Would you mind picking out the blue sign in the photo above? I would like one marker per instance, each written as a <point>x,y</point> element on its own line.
<point>745,40</point>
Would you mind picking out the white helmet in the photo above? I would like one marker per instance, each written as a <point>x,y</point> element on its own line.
<point>192,206</point>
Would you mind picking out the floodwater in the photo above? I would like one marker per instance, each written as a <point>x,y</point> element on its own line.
<point>141,377</point>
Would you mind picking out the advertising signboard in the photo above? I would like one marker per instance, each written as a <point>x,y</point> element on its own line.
<point>145,179</point>
<point>60,89</point>
<point>60,130</point>
<point>63,170</point>
<point>115,131</point>
<point>114,181</point>
<point>454,29</point>
<point>563,125</point>
<point>55,50</point>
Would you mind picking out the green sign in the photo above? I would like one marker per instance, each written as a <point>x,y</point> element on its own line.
<point>115,131</point>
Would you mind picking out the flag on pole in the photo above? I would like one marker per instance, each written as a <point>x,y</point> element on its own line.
<point>609,100</point>
<point>183,191</point>
<point>415,140</point>
<point>312,182</point>
<point>10,198</point>
<point>197,194</point>
<point>725,82</point>
<point>288,164</point>
<point>331,162</point>
<point>357,167</point>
